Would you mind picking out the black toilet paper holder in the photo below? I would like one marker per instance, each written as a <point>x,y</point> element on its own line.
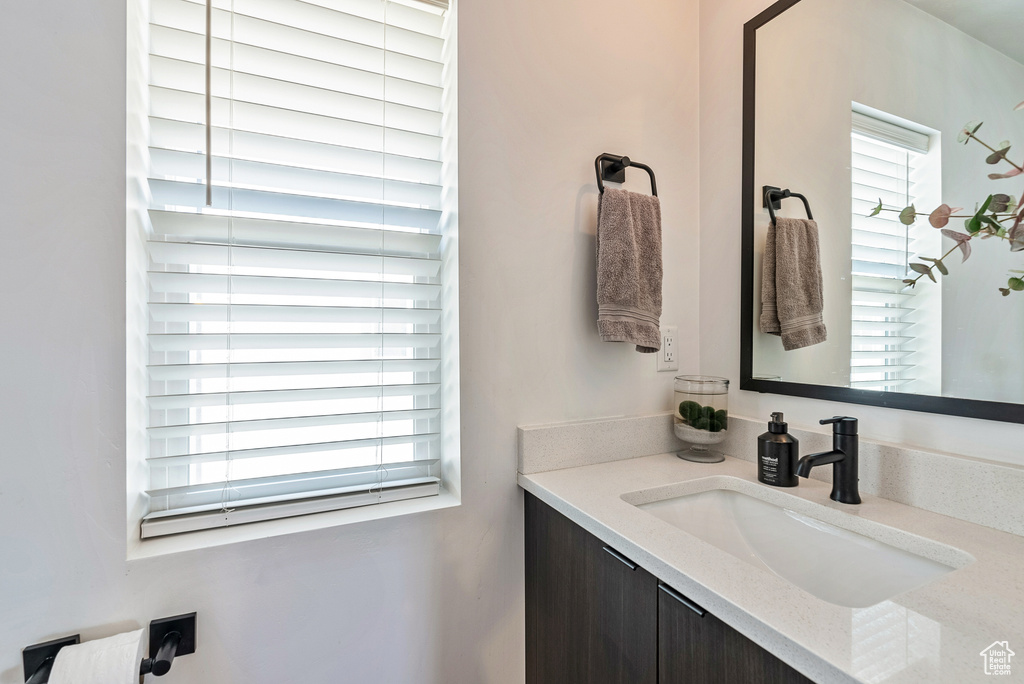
<point>168,638</point>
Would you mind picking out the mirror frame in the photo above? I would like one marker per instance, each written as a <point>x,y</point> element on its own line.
<point>968,408</point>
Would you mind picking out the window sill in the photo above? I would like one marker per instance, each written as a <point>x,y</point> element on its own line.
<point>192,541</point>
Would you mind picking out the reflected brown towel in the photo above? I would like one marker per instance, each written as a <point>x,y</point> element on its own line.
<point>629,269</point>
<point>791,289</point>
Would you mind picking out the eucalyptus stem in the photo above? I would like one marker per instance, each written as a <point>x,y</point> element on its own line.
<point>987,221</point>
<point>922,275</point>
<point>1005,217</point>
<point>971,136</point>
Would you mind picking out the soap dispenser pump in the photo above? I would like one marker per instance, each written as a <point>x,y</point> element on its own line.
<point>777,455</point>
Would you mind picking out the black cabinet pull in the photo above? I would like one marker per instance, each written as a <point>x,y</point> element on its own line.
<point>682,599</point>
<point>618,556</point>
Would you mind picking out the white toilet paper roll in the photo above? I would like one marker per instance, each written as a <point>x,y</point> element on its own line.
<point>114,660</point>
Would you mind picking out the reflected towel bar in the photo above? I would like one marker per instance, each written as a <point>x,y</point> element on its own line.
<point>168,638</point>
<point>612,168</point>
<point>771,197</point>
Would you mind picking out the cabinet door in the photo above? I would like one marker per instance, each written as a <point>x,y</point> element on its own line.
<point>695,647</point>
<point>591,614</point>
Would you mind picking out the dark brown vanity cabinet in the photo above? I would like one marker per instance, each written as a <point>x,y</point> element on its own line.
<point>591,615</point>
<point>695,647</point>
<point>595,617</point>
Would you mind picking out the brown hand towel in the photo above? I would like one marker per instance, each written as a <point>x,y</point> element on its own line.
<point>791,289</point>
<point>629,269</point>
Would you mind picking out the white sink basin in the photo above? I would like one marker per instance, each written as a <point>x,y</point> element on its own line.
<point>782,533</point>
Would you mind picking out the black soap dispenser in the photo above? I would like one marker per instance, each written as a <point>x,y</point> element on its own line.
<point>777,455</point>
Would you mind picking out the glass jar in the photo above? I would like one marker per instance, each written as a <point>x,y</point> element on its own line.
<point>701,405</point>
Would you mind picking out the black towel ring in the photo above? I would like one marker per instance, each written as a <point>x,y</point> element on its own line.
<point>612,168</point>
<point>772,197</point>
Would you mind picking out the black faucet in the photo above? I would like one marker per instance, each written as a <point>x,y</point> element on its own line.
<point>843,458</point>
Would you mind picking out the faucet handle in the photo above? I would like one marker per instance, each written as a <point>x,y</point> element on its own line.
<point>841,425</point>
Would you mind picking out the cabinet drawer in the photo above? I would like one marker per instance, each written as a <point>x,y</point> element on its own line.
<point>695,647</point>
<point>591,612</point>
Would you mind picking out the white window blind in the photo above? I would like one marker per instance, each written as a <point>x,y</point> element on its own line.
<point>885,315</point>
<point>295,321</point>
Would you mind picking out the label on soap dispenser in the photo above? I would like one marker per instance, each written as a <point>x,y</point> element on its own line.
<point>776,460</point>
<point>769,469</point>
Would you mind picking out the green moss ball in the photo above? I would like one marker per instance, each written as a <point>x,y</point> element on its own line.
<point>702,424</point>
<point>723,418</point>
<point>689,411</point>
<point>707,412</point>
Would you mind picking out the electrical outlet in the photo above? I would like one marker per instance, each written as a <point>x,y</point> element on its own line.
<point>667,356</point>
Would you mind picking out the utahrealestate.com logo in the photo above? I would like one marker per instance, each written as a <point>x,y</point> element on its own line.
<point>997,658</point>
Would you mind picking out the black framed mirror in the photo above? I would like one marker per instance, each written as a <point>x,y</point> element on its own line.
<point>849,100</point>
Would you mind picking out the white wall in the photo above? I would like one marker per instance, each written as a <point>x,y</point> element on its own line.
<point>435,597</point>
<point>721,102</point>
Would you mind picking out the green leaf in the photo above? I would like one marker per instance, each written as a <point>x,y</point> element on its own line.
<point>908,215</point>
<point>999,154</point>
<point>920,268</point>
<point>1016,284</point>
<point>993,224</point>
<point>877,210</point>
<point>975,222</point>
<point>1000,202</point>
<point>985,205</point>
<point>942,267</point>
<point>968,131</point>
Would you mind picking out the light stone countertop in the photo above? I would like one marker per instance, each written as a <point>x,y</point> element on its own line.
<point>924,636</point>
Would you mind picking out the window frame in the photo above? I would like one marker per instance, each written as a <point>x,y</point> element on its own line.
<point>214,530</point>
<point>904,162</point>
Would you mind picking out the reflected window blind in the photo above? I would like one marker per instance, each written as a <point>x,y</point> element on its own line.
<point>884,159</point>
<point>294,310</point>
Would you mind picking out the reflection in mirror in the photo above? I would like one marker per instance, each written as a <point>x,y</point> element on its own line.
<point>861,106</point>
